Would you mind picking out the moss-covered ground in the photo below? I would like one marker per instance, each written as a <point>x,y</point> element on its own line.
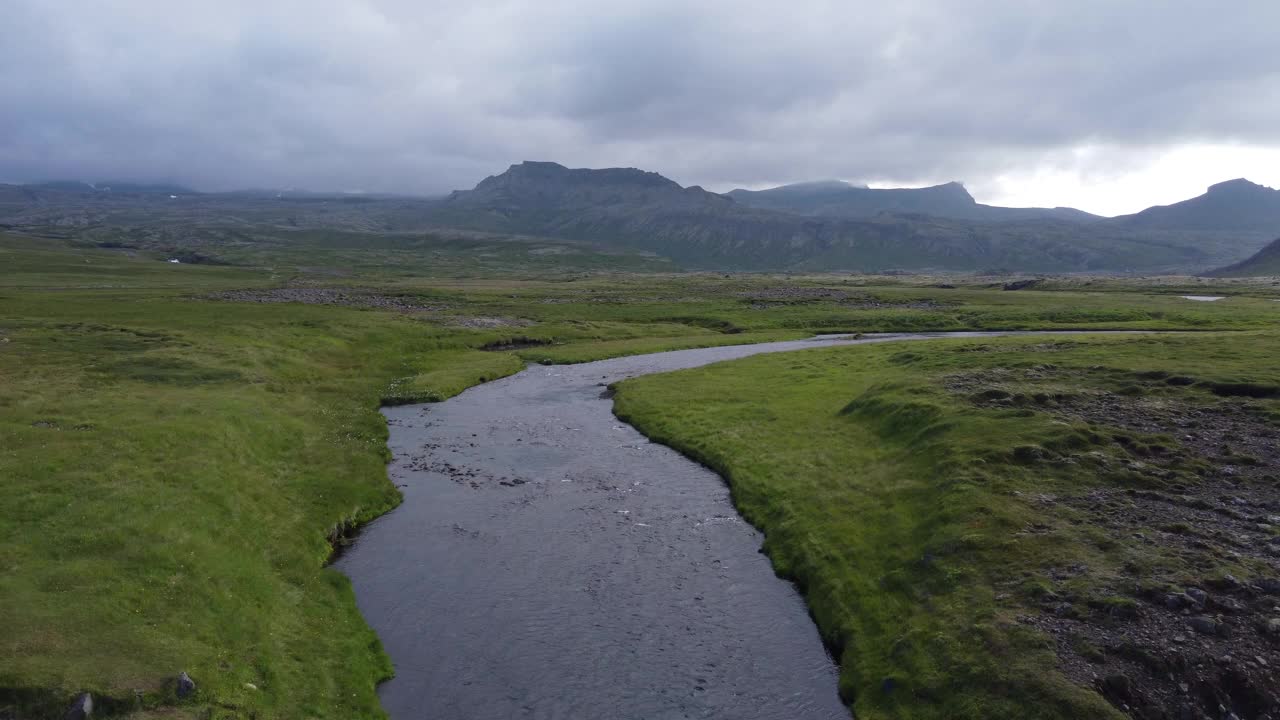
<point>954,509</point>
<point>178,457</point>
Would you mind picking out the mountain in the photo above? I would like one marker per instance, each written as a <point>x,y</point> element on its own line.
<point>644,210</point>
<point>1265,262</point>
<point>638,210</point>
<point>1235,206</point>
<point>536,184</point>
<point>835,198</point>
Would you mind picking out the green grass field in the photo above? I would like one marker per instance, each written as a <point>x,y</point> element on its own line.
<point>177,466</point>
<point>900,503</point>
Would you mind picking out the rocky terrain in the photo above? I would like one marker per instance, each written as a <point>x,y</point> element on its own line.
<point>1263,263</point>
<point>349,297</point>
<point>1190,628</point>
<point>772,297</point>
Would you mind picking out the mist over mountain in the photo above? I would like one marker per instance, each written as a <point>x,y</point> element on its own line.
<point>80,186</point>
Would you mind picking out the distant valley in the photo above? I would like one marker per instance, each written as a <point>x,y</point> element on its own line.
<point>1265,262</point>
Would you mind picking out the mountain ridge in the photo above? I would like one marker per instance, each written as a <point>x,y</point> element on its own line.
<point>643,210</point>
<point>1265,262</point>
<point>841,199</point>
<point>1229,205</point>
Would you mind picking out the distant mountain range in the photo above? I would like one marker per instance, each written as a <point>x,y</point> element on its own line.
<point>836,198</point>
<point>827,225</point>
<point>835,226</point>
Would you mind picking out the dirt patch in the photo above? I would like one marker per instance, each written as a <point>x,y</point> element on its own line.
<point>881,304</point>
<point>329,271</point>
<point>1055,346</point>
<point>484,323</point>
<point>782,296</point>
<point>1231,438</point>
<point>1195,484</point>
<point>792,294</point>
<point>1171,650</point>
<point>331,296</point>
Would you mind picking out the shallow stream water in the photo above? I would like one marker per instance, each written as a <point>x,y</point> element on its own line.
<point>549,561</point>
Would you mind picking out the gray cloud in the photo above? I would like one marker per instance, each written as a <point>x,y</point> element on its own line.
<point>425,97</point>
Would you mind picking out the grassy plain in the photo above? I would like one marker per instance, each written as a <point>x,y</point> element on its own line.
<point>928,498</point>
<point>182,444</point>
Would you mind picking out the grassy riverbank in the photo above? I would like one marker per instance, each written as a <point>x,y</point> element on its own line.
<point>993,528</point>
<point>181,443</point>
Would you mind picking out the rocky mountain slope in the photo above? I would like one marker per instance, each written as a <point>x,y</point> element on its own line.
<point>835,198</point>
<point>697,228</point>
<point>1234,205</point>
<point>1265,262</point>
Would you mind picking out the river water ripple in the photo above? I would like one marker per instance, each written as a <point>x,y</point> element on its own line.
<point>549,562</point>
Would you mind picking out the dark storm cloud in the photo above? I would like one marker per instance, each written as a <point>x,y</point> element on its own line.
<point>399,95</point>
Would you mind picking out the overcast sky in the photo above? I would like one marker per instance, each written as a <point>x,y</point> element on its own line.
<point>1107,105</point>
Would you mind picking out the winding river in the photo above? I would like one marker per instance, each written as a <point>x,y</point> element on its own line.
<point>550,562</point>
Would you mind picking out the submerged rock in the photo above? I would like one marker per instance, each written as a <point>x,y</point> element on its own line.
<point>186,686</point>
<point>81,709</point>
